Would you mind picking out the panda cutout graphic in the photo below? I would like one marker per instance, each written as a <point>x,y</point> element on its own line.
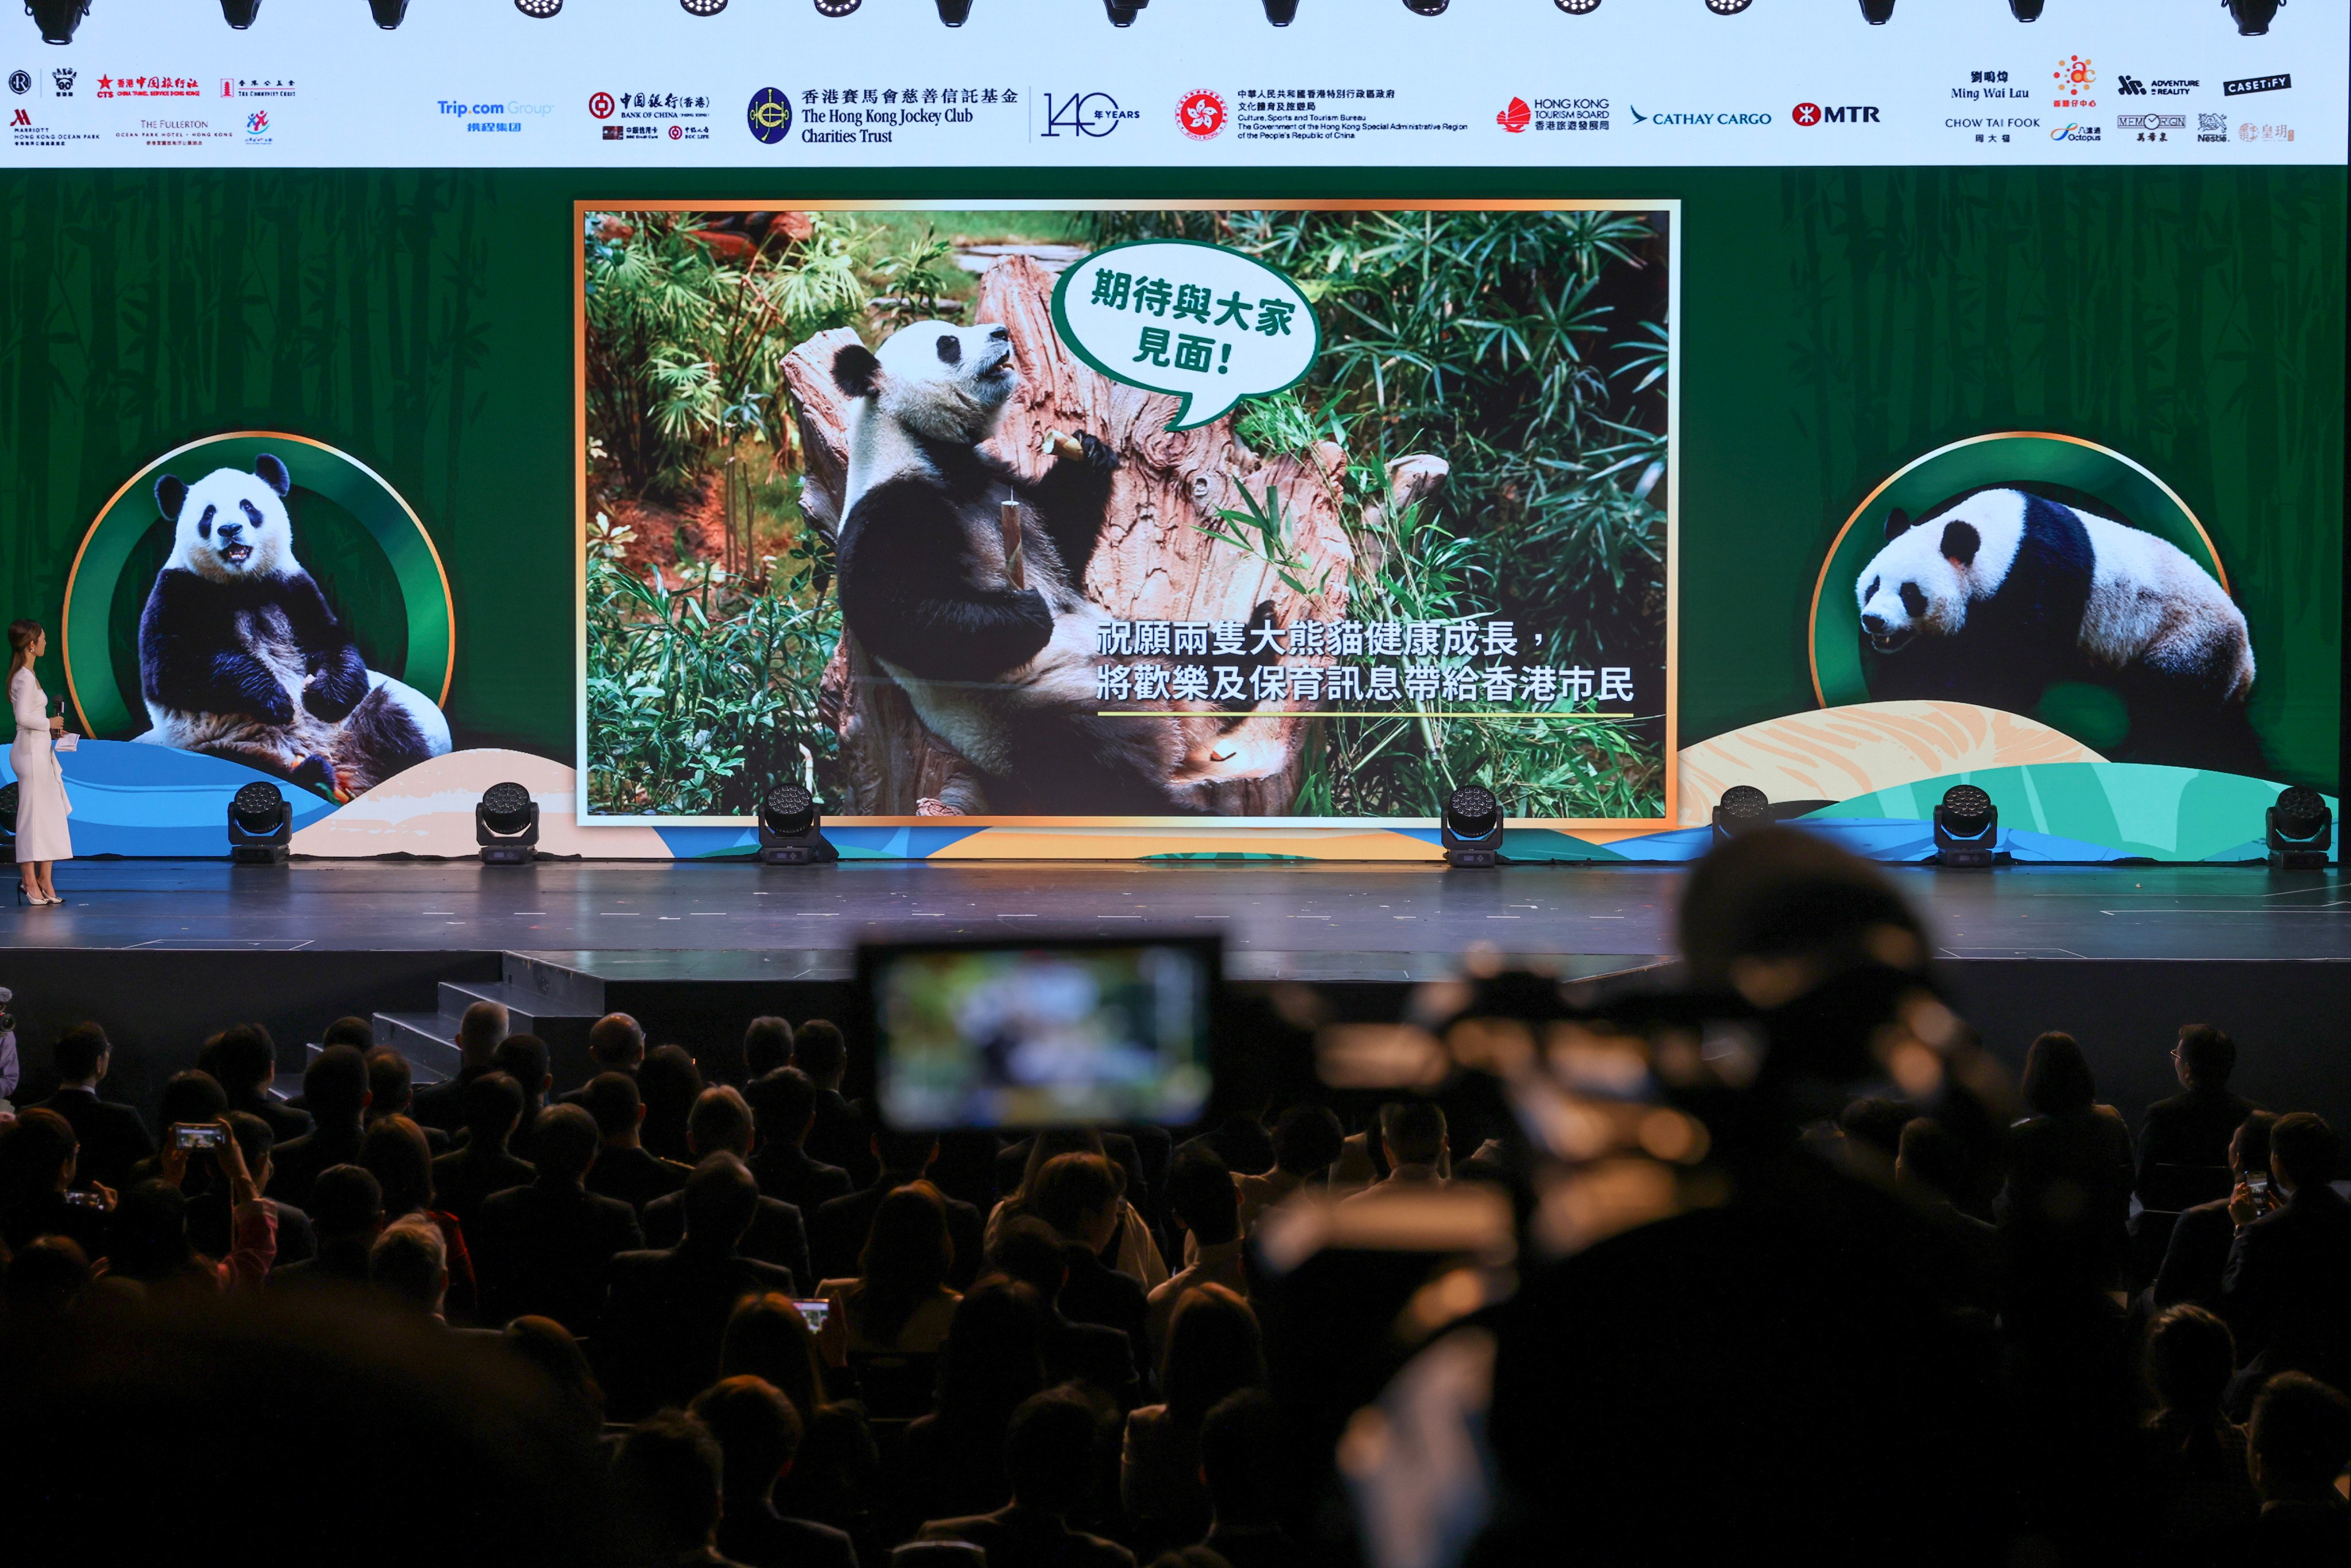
<point>1995,595</point>
<point>241,656</point>
<point>982,623</point>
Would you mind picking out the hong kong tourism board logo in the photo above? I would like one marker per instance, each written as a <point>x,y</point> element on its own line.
<point>769,116</point>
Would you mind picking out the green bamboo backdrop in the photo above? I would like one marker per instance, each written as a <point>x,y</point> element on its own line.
<point>1836,323</point>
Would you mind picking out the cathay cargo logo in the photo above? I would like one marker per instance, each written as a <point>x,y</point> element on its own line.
<point>1724,118</point>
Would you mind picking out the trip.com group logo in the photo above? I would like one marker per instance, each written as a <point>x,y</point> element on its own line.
<point>769,116</point>
<point>1201,115</point>
<point>1516,118</point>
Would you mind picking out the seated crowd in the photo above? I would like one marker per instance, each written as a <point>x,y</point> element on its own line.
<point>800,1338</point>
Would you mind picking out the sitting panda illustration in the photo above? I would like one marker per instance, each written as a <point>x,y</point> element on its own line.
<point>241,656</point>
<point>1998,593</point>
<point>996,655</point>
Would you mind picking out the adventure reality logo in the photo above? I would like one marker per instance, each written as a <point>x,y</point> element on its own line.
<point>1200,115</point>
<point>769,116</point>
<point>2074,76</point>
<point>600,104</point>
<point>20,82</point>
<point>1516,118</point>
<point>2130,87</point>
<point>2244,85</point>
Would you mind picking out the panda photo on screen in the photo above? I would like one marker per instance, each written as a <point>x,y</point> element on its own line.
<point>1995,595</point>
<point>241,656</point>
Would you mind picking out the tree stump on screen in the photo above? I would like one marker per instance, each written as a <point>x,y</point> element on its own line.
<point>1152,563</point>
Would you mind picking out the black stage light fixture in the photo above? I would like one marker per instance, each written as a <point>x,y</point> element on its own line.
<point>1123,12</point>
<point>505,825</point>
<point>1577,7</point>
<point>2301,830</point>
<point>538,10</point>
<point>703,8</point>
<point>2253,16</point>
<point>837,8</point>
<point>260,825</point>
<point>239,13</point>
<point>2025,10</point>
<point>1877,13</point>
<point>1967,828</point>
<point>57,18</point>
<point>1426,7</point>
<point>8,820</point>
<point>1728,7</point>
<point>1742,808</point>
<point>1282,13</point>
<point>955,12</point>
<point>791,828</point>
<point>388,14</point>
<point>1471,829</point>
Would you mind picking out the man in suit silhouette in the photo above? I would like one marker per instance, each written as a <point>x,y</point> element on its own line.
<point>759,1433</point>
<point>336,1085</point>
<point>111,1136</point>
<point>721,1123</point>
<point>1031,1252</point>
<point>2287,1289</point>
<point>245,1060</point>
<point>347,1216</point>
<point>1049,1453</point>
<point>841,1133</point>
<point>783,1107</point>
<point>767,1045</point>
<point>2197,1253</point>
<point>837,1234</point>
<point>668,1308</point>
<point>464,1179</point>
<point>616,1043</point>
<point>624,1169</point>
<point>443,1105</point>
<point>1079,1196</point>
<point>2194,1126</point>
<point>547,1249</point>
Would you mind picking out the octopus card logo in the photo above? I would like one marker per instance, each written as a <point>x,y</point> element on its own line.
<point>769,116</point>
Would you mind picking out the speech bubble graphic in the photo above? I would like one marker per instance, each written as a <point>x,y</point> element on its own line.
<point>1199,322</point>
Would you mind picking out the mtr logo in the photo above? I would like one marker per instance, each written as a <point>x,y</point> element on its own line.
<point>1842,114</point>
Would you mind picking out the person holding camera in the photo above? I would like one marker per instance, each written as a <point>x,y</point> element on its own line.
<point>42,836</point>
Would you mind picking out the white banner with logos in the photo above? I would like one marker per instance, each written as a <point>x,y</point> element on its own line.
<point>821,84</point>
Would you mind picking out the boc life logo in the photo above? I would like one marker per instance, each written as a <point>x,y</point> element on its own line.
<point>769,116</point>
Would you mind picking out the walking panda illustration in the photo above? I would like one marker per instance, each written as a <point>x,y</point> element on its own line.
<point>241,656</point>
<point>1998,593</point>
<point>987,632</point>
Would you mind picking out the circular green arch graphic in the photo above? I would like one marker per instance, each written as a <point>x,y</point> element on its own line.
<point>334,477</point>
<point>2005,457</point>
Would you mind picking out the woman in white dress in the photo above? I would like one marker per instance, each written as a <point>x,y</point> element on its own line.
<point>42,838</point>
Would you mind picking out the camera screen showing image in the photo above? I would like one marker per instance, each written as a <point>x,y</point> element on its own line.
<point>814,1313</point>
<point>187,1135</point>
<point>1038,1036</point>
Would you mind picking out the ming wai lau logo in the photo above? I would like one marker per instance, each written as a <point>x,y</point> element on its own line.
<point>1201,115</point>
<point>2074,76</point>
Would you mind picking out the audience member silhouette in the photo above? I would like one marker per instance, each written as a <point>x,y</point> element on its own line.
<point>669,1084</point>
<point>721,1123</point>
<point>1214,1349</point>
<point>335,1085</point>
<point>2189,1133</point>
<point>2300,1443</point>
<point>466,1177</point>
<point>759,1433</point>
<point>547,1249</point>
<point>110,1138</point>
<point>624,1170</point>
<point>479,1030</point>
<point>2286,1289</point>
<point>244,1060</point>
<point>347,1214</point>
<point>783,1104</point>
<point>1049,1454</point>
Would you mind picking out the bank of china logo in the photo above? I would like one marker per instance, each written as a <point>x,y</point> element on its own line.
<point>770,116</point>
<point>1516,118</point>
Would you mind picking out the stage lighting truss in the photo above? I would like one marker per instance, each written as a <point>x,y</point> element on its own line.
<point>2301,830</point>
<point>260,825</point>
<point>538,10</point>
<point>1967,828</point>
<point>1471,829</point>
<point>1742,808</point>
<point>239,13</point>
<point>2252,17</point>
<point>791,828</point>
<point>57,18</point>
<point>388,14</point>
<point>505,825</point>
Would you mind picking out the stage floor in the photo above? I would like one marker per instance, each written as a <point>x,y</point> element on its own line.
<point>1310,922</point>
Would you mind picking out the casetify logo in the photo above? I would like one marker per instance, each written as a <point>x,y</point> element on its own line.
<point>769,116</point>
<point>1836,114</point>
<point>2074,76</point>
<point>20,82</point>
<point>2244,85</point>
<point>2075,131</point>
<point>1515,116</point>
<point>1200,114</point>
<point>1714,118</point>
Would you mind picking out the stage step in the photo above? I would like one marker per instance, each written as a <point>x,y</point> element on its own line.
<point>528,1012</point>
<point>429,1041</point>
<point>560,990</point>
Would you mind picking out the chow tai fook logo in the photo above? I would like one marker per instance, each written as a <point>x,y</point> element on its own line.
<point>1201,114</point>
<point>1836,114</point>
<point>2074,76</point>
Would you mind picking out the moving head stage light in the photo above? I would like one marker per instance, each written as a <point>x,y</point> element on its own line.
<point>791,828</point>
<point>239,13</point>
<point>388,14</point>
<point>1577,7</point>
<point>1742,808</point>
<point>539,10</point>
<point>2025,10</point>
<point>505,825</point>
<point>2301,830</point>
<point>1877,13</point>
<point>2253,16</point>
<point>260,826</point>
<point>1728,7</point>
<point>702,7</point>
<point>1471,829</point>
<point>1967,828</point>
<point>57,18</point>
<point>1122,12</point>
<point>837,8</point>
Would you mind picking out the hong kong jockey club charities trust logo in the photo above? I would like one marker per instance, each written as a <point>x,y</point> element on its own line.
<point>769,116</point>
<point>1200,114</point>
<point>600,104</point>
<point>1516,116</point>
